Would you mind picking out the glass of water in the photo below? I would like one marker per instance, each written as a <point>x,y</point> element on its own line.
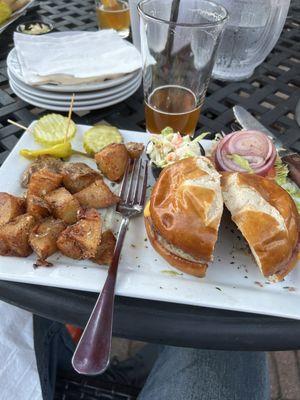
<point>179,40</point>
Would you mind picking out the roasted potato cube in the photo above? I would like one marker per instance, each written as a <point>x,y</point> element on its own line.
<point>51,163</point>
<point>41,182</point>
<point>112,161</point>
<point>10,207</point>
<point>44,181</point>
<point>105,249</point>
<point>135,150</point>
<point>81,240</point>
<point>63,205</point>
<point>37,207</point>
<point>97,195</point>
<point>77,176</point>
<point>43,237</point>
<point>14,236</point>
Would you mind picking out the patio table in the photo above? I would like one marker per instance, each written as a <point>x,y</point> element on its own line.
<point>271,95</point>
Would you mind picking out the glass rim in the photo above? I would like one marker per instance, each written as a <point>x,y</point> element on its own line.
<point>184,24</point>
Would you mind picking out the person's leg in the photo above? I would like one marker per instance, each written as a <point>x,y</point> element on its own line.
<point>189,374</point>
<point>53,348</point>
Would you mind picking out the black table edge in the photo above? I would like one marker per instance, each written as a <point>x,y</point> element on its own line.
<point>161,322</point>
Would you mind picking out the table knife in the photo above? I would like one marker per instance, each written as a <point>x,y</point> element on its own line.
<point>290,157</point>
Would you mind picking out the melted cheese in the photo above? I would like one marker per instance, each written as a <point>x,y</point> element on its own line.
<point>147,210</point>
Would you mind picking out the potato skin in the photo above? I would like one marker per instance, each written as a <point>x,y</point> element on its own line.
<point>44,181</point>
<point>41,182</point>
<point>81,240</point>
<point>10,207</point>
<point>50,163</point>
<point>105,249</point>
<point>77,176</point>
<point>43,237</point>
<point>37,207</point>
<point>97,195</point>
<point>14,236</point>
<point>135,149</point>
<point>63,205</point>
<point>112,161</point>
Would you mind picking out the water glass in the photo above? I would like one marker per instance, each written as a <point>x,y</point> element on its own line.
<point>179,40</point>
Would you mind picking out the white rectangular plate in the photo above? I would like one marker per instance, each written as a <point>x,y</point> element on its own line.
<point>233,280</point>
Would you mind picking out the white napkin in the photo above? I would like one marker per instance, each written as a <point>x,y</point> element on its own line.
<point>19,379</point>
<point>75,57</point>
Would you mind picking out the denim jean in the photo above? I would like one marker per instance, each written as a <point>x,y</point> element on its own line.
<point>178,373</point>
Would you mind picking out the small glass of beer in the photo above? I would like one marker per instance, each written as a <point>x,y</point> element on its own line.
<point>179,40</point>
<point>113,14</point>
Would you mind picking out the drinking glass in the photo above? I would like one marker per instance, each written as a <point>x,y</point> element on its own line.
<point>179,39</point>
<point>252,31</point>
<point>135,23</point>
<point>113,14</point>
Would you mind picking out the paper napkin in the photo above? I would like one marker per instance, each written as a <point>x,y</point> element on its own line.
<point>75,57</point>
<point>19,377</point>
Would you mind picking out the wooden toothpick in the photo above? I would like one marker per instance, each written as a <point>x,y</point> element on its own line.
<point>17,124</point>
<point>69,117</point>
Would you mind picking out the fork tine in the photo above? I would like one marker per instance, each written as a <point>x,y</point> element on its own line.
<point>137,182</point>
<point>124,181</point>
<point>144,185</point>
<point>128,197</point>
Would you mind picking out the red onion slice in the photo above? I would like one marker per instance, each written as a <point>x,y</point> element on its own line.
<point>254,146</point>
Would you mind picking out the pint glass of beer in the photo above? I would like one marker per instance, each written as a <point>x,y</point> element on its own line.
<point>179,41</point>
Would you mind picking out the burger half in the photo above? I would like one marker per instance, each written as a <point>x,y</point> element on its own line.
<point>183,216</point>
<point>268,219</point>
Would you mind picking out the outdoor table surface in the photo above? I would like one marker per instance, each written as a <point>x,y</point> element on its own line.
<point>271,95</point>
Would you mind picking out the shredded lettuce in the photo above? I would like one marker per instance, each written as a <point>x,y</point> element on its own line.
<point>240,161</point>
<point>281,170</point>
<point>294,191</point>
<point>167,130</point>
<point>282,180</point>
<point>171,272</point>
<point>200,137</point>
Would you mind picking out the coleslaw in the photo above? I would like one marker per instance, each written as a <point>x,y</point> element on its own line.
<point>168,147</point>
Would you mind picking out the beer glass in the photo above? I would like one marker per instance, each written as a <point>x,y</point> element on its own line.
<point>113,14</point>
<point>179,41</point>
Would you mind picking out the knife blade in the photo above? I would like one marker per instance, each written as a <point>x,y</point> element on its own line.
<point>247,121</point>
<point>290,157</point>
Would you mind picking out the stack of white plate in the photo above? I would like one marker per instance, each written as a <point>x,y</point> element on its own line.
<point>88,96</point>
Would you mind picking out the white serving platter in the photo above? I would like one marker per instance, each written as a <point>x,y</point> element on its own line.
<point>233,281</point>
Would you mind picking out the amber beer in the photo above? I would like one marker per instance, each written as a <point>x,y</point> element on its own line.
<point>114,17</point>
<point>173,106</point>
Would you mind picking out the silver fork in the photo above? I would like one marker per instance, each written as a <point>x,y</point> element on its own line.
<point>91,356</point>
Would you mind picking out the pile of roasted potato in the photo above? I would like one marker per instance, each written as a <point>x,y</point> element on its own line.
<point>59,210</point>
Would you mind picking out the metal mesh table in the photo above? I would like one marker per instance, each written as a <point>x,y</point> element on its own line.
<point>271,95</point>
